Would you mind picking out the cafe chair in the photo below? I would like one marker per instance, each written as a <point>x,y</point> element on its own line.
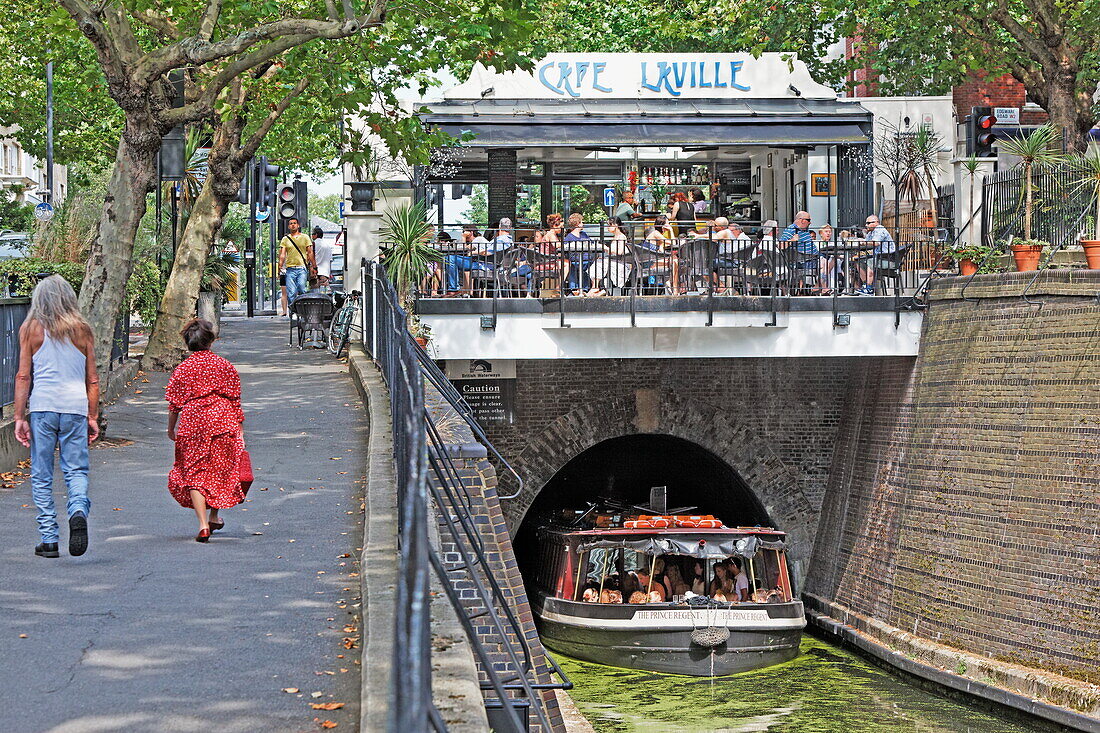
<point>486,273</point>
<point>697,263</point>
<point>888,266</point>
<point>731,264</point>
<point>310,314</point>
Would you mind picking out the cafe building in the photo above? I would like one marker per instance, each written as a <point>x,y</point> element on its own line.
<point>757,136</point>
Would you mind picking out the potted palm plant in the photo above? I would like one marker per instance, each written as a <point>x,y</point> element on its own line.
<point>1087,175</point>
<point>1035,151</point>
<point>408,258</point>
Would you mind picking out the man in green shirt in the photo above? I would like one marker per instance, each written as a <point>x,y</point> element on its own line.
<point>295,253</point>
<point>625,210</point>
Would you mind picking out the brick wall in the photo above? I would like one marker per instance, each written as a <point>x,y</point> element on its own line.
<point>964,498</point>
<point>981,90</point>
<point>773,421</point>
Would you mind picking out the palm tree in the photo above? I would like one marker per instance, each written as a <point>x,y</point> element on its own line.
<point>1087,174</point>
<point>409,257</point>
<point>1035,151</point>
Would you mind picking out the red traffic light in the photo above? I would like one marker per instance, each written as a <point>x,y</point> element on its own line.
<point>986,121</point>
<point>286,192</point>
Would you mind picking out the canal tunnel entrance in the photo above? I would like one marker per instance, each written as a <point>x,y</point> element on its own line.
<point>624,469</point>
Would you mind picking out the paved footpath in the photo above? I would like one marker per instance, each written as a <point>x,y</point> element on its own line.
<point>152,631</point>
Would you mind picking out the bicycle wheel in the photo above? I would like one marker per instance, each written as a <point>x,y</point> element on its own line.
<point>338,330</point>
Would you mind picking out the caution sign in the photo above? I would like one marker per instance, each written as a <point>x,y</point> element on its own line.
<point>489,388</point>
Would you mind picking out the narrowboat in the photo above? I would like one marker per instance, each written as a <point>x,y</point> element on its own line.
<point>679,595</point>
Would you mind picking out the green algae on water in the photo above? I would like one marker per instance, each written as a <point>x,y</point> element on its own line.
<point>824,690</point>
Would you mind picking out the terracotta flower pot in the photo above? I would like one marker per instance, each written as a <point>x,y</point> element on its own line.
<point>1092,252</point>
<point>422,341</point>
<point>967,267</point>
<point>1027,256</point>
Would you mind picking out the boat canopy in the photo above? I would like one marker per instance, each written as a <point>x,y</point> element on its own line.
<point>707,547</point>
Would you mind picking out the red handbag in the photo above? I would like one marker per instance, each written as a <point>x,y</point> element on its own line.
<point>245,468</point>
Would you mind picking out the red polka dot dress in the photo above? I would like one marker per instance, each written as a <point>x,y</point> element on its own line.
<point>205,390</point>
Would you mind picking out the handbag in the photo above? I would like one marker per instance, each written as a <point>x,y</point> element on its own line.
<point>245,469</point>
<point>311,267</point>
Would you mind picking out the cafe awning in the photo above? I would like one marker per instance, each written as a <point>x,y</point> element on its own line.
<point>617,123</point>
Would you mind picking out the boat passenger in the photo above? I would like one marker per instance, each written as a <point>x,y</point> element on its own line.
<point>674,582</point>
<point>637,597</point>
<point>656,589</point>
<point>740,580</point>
<point>590,595</point>
<point>721,583</point>
<point>611,596</point>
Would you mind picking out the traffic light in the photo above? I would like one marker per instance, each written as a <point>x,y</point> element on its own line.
<point>268,175</point>
<point>979,132</point>
<point>290,202</point>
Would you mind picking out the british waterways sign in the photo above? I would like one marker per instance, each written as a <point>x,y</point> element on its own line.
<point>649,75</point>
<point>489,387</point>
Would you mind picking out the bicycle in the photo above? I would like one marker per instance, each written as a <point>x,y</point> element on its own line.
<point>343,323</point>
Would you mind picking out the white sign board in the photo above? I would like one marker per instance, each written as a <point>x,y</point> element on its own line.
<point>43,212</point>
<point>648,76</point>
<point>1007,115</point>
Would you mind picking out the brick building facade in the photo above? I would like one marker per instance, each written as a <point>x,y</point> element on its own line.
<point>964,498</point>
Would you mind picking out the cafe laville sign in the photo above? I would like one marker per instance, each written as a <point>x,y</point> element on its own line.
<point>648,76</point>
<point>488,386</point>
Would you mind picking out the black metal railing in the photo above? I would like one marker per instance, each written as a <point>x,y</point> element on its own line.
<point>426,468</point>
<point>639,261</point>
<point>12,313</point>
<point>1059,205</point>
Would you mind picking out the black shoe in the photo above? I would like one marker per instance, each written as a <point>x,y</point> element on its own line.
<point>47,549</point>
<point>78,534</point>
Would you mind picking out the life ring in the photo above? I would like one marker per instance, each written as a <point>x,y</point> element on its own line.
<point>649,522</point>
<point>697,521</point>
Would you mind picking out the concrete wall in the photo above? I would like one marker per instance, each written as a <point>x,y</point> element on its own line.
<point>964,498</point>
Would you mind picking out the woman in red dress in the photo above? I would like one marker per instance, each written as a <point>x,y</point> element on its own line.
<point>204,420</point>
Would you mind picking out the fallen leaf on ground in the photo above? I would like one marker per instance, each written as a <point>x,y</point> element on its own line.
<point>328,724</point>
<point>336,458</point>
<point>22,636</point>
<point>315,694</point>
<point>117,509</point>
<point>290,690</point>
<point>326,705</point>
<point>349,629</point>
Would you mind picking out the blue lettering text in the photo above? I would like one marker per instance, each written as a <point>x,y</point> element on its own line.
<point>735,66</point>
<point>596,69</point>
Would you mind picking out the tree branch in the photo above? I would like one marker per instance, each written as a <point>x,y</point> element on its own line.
<point>209,19</point>
<point>331,11</point>
<point>1035,47</point>
<point>159,23</point>
<point>349,12</point>
<point>256,138</point>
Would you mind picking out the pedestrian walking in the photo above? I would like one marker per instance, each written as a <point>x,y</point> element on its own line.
<point>322,254</point>
<point>296,260</point>
<point>204,420</point>
<point>57,406</point>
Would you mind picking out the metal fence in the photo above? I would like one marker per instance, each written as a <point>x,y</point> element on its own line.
<point>12,313</point>
<point>426,468</point>
<point>1060,206</point>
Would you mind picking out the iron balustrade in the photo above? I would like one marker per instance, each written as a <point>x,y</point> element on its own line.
<point>1060,205</point>
<point>638,262</point>
<point>425,468</point>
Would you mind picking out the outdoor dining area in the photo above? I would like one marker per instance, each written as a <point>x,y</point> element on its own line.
<point>657,257</point>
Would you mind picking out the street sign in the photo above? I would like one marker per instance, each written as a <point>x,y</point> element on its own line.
<point>1007,115</point>
<point>43,212</point>
<point>609,196</point>
<point>341,209</point>
<point>263,214</point>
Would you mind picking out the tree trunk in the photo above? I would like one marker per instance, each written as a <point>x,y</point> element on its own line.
<point>1027,202</point>
<point>165,348</point>
<point>110,256</point>
<point>1070,111</point>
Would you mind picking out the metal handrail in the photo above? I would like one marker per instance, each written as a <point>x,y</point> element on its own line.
<point>1068,236</point>
<point>444,386</point>
<point>419,453</point>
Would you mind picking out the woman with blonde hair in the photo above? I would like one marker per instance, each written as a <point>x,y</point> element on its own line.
<point>57,406</point>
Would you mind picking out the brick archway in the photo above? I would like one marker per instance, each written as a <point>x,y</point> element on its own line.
<point>658,412</point>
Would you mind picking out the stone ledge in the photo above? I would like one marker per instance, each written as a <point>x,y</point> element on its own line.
<point>1077,282</point>
<point>454,679</point>
<point>1055,698</point>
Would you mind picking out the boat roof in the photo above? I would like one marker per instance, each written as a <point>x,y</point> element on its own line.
<point>620,531</point>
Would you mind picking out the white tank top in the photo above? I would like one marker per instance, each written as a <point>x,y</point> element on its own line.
<point>59,378</point>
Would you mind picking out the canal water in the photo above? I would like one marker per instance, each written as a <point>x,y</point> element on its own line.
<point>826,689</point>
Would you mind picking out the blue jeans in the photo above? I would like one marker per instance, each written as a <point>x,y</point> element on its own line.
<point>578,270</point>
<point>296,282</point>
<point>461,263</point>
<point>48,430</point>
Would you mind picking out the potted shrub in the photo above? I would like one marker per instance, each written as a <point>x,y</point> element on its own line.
<point>1087,175</point>
<point>1035,151</point>
<point>970,257</point>
<point>409,257</point>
